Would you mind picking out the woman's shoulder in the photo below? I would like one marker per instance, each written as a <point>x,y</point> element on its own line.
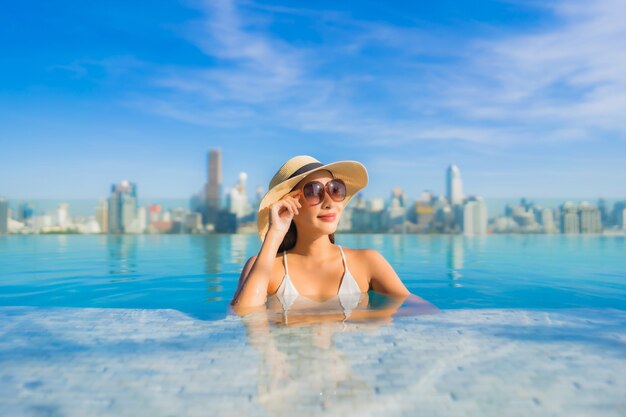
<point>362,260</point>
<point>251,260</point>
<point>361,254</point>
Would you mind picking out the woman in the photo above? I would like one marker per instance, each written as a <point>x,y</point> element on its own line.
<point>298,260</point>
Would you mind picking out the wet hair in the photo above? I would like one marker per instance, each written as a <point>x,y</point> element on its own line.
<point>291,237</point>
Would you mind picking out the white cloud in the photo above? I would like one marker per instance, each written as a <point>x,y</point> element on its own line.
<point>566,81</point>
<point>572,76</point>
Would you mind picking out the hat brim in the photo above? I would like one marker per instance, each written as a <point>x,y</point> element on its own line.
<point>353,173</point>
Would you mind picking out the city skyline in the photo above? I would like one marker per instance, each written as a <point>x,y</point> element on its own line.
<point>141,93</point>
<point>210,211</point>
<point>214,186</point>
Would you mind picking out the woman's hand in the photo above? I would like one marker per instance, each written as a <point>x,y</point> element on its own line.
<point>283,211</point>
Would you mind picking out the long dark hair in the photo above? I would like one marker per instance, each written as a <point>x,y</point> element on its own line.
<point>291,237</point>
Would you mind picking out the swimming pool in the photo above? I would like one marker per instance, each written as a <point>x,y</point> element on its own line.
<point>128,325</point>
<point>198,275</point>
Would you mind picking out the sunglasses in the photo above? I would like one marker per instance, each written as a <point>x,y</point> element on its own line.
<point>313,192</point>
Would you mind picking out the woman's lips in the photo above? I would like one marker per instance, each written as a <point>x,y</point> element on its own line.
<point>327,217</point>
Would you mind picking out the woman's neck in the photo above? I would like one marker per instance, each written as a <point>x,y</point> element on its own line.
<point>318,247</point>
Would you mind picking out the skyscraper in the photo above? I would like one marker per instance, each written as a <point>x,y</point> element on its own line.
<point>238,199</point>
<point>454,185</point>
<point>122,206</point>
<point>214,184</point>
<point>25,212</point>
<point>475,217</point>
<point>570,220</point>
<point>590,218</point>
<point>4,215</point>
<point>396,211</point>
<point>63,216</point>
<point>547,220</point>
<point>102,215</point>
<point>617,218</point>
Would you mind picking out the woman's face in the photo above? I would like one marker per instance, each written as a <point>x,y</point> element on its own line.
<point>308,219</point>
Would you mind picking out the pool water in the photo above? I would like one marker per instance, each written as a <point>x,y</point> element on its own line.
<point>198,274</point>
<point>139,325</point>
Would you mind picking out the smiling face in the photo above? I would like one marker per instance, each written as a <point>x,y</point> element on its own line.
<point>310,219</point>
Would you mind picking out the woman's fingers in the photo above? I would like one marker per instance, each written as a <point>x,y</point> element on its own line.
<point>282,207</point>
<point>288,207</point>
<point>295,206</point>
<point>292,204</point>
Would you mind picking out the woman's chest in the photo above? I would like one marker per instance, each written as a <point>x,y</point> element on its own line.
<point>323,280</point>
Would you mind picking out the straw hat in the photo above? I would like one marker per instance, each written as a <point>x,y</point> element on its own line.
<point>353,173</point>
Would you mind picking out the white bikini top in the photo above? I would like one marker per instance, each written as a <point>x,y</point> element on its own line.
<point>347,298</point>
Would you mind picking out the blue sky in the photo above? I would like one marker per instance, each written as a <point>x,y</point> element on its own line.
<point>527,98</point>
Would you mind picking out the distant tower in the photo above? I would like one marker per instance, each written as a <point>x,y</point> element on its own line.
<point>4,216</point>
<point>102,215</point>
<point>454,185</point>
<point>570,219</point>
<point>63,216</point>
<point>122,206</point>
<point>243,179</point>
<point>590,218</point>
<point>214,184</point>
<point>238,199</point>
<point>396,211</point>
<point>475,216</point>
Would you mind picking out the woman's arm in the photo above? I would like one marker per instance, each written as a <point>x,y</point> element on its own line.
<point>256,274</point>
<point>383,277</point>
<point>242,277</point>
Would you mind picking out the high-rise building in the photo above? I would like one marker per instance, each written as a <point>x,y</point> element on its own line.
<point>570,221</point>
<point>238,200</point>
<point>590,218</point>
<point>102,215</point>
<point>122,206</point>
<point>63,215</point>
<point>25,212</point>
<point>140,222</point>
<point>547,220</point>
<point>444,217</point>
<point>427,197</point>
<point>4,215</point>
<point>360,219</point>
<point>377,215</point>
<point>475,216</point>
<point>454,185</point>
<point>617,217</point>
<point>396,211</point>
<point>605,213</point>
<point>213,185</point>
<point>424,215</point>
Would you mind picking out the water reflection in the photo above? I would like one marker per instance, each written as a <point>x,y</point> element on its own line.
<point>239,248</point>
<point>122,254</point>
<point>211,248</point>
<point>455,260</point>
<point>397,244</point>
<point>61,243</point>
<point>302,364</point>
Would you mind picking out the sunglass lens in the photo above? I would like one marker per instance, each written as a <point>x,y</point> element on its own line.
<point>337,190</point>
<point>312,192</point>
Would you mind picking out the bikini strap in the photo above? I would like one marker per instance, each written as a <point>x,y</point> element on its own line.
<point>285,262</point>
<point>343,256</point>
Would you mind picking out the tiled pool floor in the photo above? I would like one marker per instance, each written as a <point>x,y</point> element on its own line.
<point>121,362</point>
